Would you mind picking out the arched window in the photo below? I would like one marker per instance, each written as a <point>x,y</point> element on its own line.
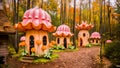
<point>84,34</point>
<point>44,40</point>
<point>31,42</point>
<point>58,40</point>
<point>96,41</point>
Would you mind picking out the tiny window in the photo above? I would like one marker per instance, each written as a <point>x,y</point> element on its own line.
<point>84,34</point>
<point>96,41</point>
<point>93,40</point>
<point>44,40</point>
<point>58,40</point>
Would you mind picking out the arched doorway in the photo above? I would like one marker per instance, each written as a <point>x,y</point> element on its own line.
<point>31,43</point>
<point>58,40</point>
<point>65,42</point>
<point>81,41</point>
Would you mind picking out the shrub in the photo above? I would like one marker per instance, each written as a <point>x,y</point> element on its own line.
<point>59,47</point>
<point>112,52</point>
<point>71,47</point>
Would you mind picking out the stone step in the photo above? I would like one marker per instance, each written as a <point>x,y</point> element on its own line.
<point>27,61</point>
<point>27,58</point>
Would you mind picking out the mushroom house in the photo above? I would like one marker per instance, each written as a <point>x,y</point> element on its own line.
<point>95,38</point>
<point>36,24</point>
<point>83,34</point>
<point>63,35</point>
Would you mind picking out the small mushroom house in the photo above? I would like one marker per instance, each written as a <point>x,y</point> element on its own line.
<point>63,35</point>
<point>36,24</point>
<point>83,34</point>
<point>95,38</point>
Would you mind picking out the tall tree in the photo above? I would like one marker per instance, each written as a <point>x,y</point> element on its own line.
<point>100,31</point>
<point>74,37</point>
<point>109,11</point>
<point>28,4</point>
<point>89,11</point>
<point>15,20</point>
<point>61,12</point>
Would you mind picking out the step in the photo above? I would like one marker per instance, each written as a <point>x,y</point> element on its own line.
<point>28,58</point>
<point>27,61</point>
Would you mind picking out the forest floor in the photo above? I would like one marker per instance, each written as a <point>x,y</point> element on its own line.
<point>82,58</point>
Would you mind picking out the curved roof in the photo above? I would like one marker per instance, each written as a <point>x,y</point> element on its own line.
<point>84,26</point>
<point>37,19</point>
<point>95,35</point>
<point>63,31</point>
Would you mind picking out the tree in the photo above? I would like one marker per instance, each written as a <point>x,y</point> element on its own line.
<point>74,37</point>
<point>28,4</point>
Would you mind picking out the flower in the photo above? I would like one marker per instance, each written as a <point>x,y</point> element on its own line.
<point>38,42</point>
<point>22,43</point>
<point>53,42</point>
<point>22,38</point>
<point>44,47</point>
<point>109,41</point>
<point>50,45</point>
<point>33,49</point>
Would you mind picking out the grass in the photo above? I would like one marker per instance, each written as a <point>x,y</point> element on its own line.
<point>65,50</point>
<point>45,60</point>
<point>42,59</point>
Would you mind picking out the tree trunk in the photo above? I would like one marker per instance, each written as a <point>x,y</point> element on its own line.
<point>109,16</point>
<point>100,29</point>
<point>15,20</point>
<point>28,4</point>
<point>90,11</point>
<point>41,4</point>
<point>61,12</point>
<point>64,21</point>
<point>74,37</point>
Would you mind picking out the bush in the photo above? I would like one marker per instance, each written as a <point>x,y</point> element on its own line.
<point>71,47</point>
<point>112,52</point>
<point>59,47</point>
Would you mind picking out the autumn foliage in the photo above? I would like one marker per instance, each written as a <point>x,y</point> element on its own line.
<point>22,43</point>
<point>33,49</point>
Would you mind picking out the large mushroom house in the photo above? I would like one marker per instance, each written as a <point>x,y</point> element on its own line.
<point>95,38</point>
<point>83,35</point>
<point>63,35</point>
<point>36,24</point>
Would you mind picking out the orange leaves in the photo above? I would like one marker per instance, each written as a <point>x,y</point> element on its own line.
<point>53,42</point>
<point>50,45</point>
<point>22,43</point>
<point>33,49</point>
<point>44,47</point>
<point>38,42</point>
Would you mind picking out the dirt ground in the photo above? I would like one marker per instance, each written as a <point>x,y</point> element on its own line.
<point>83,58</point>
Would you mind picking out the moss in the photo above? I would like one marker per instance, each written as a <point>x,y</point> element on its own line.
<point>44,60</point>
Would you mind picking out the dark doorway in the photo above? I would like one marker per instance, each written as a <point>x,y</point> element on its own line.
<point>31,43</point>
<point>58,40</point>
<point>65,42</point>
<point>81,42</point>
